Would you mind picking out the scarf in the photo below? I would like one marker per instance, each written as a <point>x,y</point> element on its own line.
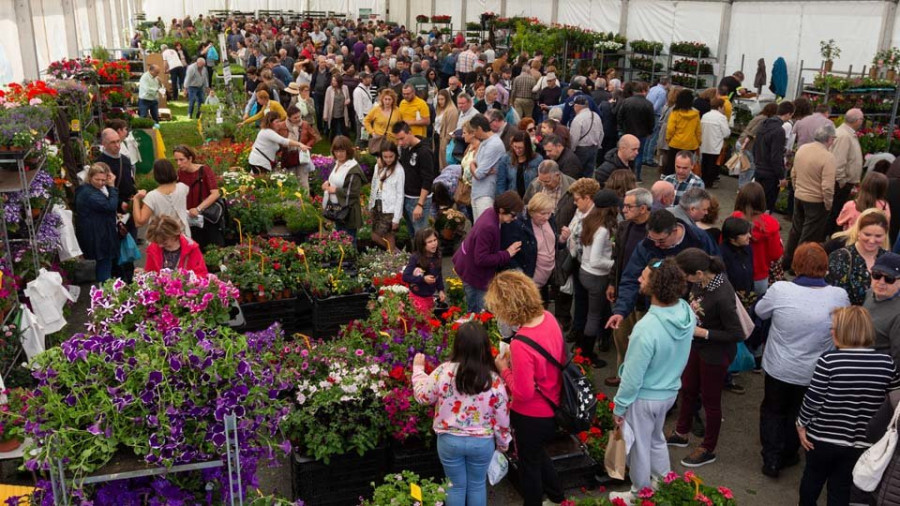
<point>810,282</point>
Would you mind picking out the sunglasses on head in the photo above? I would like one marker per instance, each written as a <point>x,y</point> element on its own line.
<point>877,276</point>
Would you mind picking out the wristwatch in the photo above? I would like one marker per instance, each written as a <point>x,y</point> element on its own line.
<point>418,204</point>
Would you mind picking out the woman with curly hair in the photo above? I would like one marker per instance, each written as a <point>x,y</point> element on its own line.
<point>533,381</point>
<point>658,351</point>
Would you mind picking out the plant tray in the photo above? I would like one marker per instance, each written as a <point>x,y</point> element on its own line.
<point>573,466</point>
<point>416,457</point>
<point>329,314</point>
<point>261,315</point>
<point>342,481</point>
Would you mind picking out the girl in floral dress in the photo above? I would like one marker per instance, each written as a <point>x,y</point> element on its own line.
<point>471,412</point>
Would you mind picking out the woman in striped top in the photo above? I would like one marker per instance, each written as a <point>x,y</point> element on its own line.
<point>848,386</point>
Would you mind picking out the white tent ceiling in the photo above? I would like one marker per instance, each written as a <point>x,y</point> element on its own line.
<point>751,29</point>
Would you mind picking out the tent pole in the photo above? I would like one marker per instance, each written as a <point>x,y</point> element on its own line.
<point>724,29</point>
<point>107,21</point>
<point>554,11</point>
<point>27,43</point>
<point>623,18</point>
<point>94,32</point>
<point>887,24</point>
<point>71,28</point>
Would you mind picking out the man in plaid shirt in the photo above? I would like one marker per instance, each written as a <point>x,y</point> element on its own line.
<point>465,64</point>
<point>684,177</point>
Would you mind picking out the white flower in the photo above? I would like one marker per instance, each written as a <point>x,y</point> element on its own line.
<point>301,399</point>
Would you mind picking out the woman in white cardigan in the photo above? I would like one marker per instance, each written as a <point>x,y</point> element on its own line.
<point>714,130</point>
<point>336,112</point>
<point>386,202</point>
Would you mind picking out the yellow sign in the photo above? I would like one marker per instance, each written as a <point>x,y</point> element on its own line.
<point>415,491</point>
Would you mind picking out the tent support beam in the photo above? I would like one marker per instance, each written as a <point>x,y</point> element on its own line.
<point>122,37</point>
<point>724,29</point>
<point>502,8</point>
<point>554,16</point>
<point>887,24</point>
<point>623,17</point>
<point>70,18</point>
<point>108,24</point>
<point>27,43</point>
<point>92,24</point>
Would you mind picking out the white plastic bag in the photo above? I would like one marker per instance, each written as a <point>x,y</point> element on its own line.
<point>498,468</point>
<point>68,244</point>
<point>871,465</point>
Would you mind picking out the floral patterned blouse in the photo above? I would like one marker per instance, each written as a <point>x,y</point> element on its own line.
<point>847,269</point>
<point>482,415</point>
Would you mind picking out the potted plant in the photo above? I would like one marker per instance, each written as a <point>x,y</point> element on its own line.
<point>421,18</point>
<point>450,223</point>
<point>829,51</point>
<point>12,418</point>
<point>396,490</point>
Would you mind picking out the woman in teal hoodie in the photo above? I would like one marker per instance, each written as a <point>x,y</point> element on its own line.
<point>651,373</point>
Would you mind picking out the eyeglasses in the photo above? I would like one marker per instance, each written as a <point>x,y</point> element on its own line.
<point>630,206</point>
<point>877,276</point>
<point>659,240</point>
<point>529,129</point>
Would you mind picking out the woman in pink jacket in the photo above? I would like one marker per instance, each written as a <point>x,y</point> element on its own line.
<point>337,108</point>
<point>532,380</point>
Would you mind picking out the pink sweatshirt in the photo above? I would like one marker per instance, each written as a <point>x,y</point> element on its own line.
<point>849,213</point>
<point>529,369</point>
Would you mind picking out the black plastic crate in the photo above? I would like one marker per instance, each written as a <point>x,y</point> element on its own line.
<point>329,314</point>
<point>342,481</point>
<point>574,467</point>
<point>304,313</point>
<point>415,456</point>
<point>261,315</point>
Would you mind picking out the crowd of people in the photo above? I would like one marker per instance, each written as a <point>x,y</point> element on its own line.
<point>564,245</point>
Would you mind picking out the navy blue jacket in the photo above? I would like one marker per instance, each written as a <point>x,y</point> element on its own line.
<point>646,250</point>
<point>569,108</point>
<point>738,266</point>
<point>96,230</point>
<point>522,230</point>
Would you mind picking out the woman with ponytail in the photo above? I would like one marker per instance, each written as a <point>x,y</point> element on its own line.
<point>715,344</point>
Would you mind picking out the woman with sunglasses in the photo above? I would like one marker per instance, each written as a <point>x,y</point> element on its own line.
<point>884,304</point>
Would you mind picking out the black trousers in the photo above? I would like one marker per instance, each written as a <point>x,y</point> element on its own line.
<point>807,225</point>
<point>771,188</point>
<point>829,463</point>
<point>709,169</point>
<point>777,420</point>
<point>537,472</point>
<point>208,235</point>
<point>841,196</point>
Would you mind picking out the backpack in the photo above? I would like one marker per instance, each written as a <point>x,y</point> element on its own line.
<point>577,402</point>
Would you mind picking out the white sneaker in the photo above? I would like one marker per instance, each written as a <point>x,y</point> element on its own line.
<point>628,496</point>
<point>548,502</point>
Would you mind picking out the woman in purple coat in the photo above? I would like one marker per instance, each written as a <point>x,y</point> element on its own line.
<point>480,256</point>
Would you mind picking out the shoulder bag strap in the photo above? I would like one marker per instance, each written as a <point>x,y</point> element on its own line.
<point>540,349</point>
<point>387,125</point>
<point>347,196</point>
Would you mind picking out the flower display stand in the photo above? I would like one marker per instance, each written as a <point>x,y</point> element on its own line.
<point>329,314</point>
<point>413,455</point>
<point>342,481</point>
<point>260,315</point>
<point>574,466</point>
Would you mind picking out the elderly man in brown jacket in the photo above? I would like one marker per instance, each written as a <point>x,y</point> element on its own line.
<point>813,177</point>
<point>849,159</point>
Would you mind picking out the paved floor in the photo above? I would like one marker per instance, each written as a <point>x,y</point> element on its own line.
<point>738,461</point>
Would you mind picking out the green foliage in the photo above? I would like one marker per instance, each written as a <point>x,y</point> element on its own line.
<point>396,491</point>
<point>646,47</point>
<point>100,53</point>
<point>829,49</point>
<point>139,123</point>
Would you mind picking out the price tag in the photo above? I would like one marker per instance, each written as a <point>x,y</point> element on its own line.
<point>226,73</point>
<point>415,491</point>
<point>219,120</point>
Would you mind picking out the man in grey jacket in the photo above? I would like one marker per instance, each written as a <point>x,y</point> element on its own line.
<point>196,80</point>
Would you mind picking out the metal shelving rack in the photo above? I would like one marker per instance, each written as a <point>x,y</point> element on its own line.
<point>60,483</point>
<point>629,71</point>
<point>697,75</point>
<point>803,89</point>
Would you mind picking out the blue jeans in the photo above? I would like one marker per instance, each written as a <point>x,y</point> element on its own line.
<point>409,204</point>
<point>474,298</point>
<point>587,155</point>
<point>195,96</point>
<point>466,460</point>
<point>643,154</point>
<point>103,270</point>
<point>650,154</point>
<point>149,106</point>
<point>747,176</point>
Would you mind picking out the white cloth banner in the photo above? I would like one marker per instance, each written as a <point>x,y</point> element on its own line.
<point>68,243</point>
<point>48,296</point>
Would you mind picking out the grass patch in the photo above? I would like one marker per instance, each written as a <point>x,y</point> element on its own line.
<point>183,130</point>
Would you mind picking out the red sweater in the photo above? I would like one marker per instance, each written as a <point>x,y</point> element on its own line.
<point>530,369</point>
<point>191,258</point>
<point>765,242</point>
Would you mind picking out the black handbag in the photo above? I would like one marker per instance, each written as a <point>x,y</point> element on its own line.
<point>335,211</point>
<point>216,211</point>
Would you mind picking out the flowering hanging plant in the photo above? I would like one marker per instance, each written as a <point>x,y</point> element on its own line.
<point>164,300</point>
<point>222,157</point>
<point>440,19</point>
<point>329,248</point>
<point>693,49</point>
<point>686,489</point>
<point>161,394</point>
<point>421,18</point>
<point>382,266</point>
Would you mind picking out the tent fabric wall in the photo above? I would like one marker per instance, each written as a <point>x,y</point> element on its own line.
<point>84,27</point>
<point>541,9</point>
<point>669,22</point>
<point>793,31</point>
<point>10,56</point>
<point>49,31</point>
<point>600,15</point>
